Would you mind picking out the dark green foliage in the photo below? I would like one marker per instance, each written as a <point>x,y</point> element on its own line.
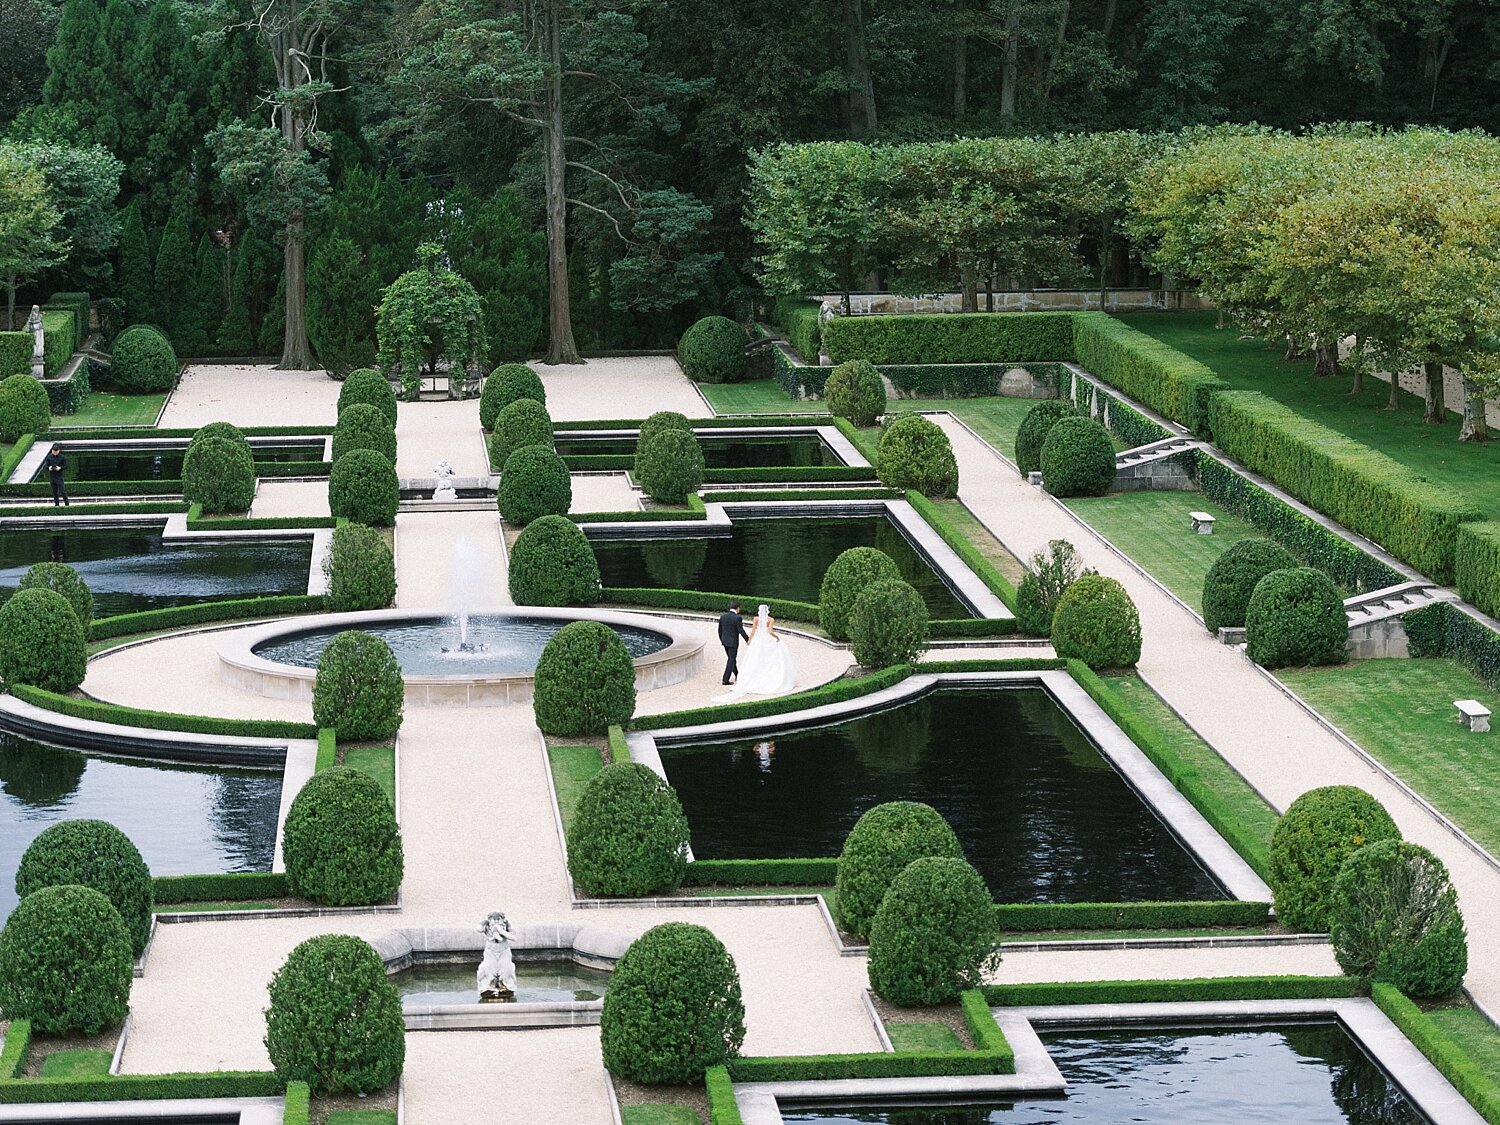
<point>335,1019</point>
<point>1097,623</point>
<point>551,563</point>
<point>670,465</point>
<point>1233,577</point>
<point>1147,370</point>
<point>231,886</point>
<point>64,580</point>
<point>208,300</point>
<point>1442,629</point>
<point>176,267</point>
<point>341,297</point>
<point>521,423</point>
<point>673,1008</point>
<point>41,641</point>
<point>246,301</point>
<point>1395,918</point>
<point>341,841</point>
<point>629,835</point>
<point>24,408</point>
<point>1077,458</point>
<point>15,353</point>
<point>660,421</point>
<point>1029,917</point>
<point>915,453</point>
<point>1171,991</point>
<point>218,474</point>
<point>713,351</point>
<point>878,848</point>
<point>364,427</point>
<point>269,339</point>
<point>1295,617</point>
<point>761,872</point>
<point>363,488</point>
<point>368,387</point>
<point>1034,429</point>
<point>849,574</point>
<point>1458,1066</point>
<point>358,690</point>
<point>888,624</point>
<point>361,570</point>
<point>799,320</point>
<point>508,383</point>
<point>497,244</point>
<point>158,720</point>
<point>1051,573</point>
<point>226,431</point>
<point>142,361</point>
<point>534,483</point>
<point>92,853</point>
<point>855,391</point>
<point>65,962</point>
<point>934,934</point>
<point>137,284</point>
<point>1476,565</point>
<point>962,338</point>
<point>59,336</point>
<point>175,617</point>
<point>1320,830</point>
<point>585,681</point>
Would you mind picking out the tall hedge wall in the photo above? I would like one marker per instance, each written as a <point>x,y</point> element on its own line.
<point>951,338</point>
<point>15,354</point>
<point>798,318</point>
<point>1146,369</point>
<point>1476,565</point>
<point>58,339</point>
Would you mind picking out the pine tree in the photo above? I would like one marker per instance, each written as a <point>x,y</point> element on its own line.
<point>73,65</point>
<point>236,336</point>
<point>207,304</point>
<point>136,284</point>
<point>175,269</point>
<point>162,134</point>
<point>341,298</point>
<point>273,325</point>
<point>114,102</point>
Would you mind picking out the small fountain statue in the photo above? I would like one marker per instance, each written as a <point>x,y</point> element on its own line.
<point>445,475</point>
<point>497,972</point>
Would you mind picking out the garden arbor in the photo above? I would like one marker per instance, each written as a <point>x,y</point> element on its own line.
<point>427,316</point>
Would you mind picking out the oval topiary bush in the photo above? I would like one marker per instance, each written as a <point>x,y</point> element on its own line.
<point>358,690</point>
<point>534,483</point>
<point>1096,622</point>
<point>341,843</point>
<point>1233,577</point>
<point>934,933</point>
<point>878,848</point>
<point>1078,458</point>
<point>552,563</point>
<point>219,475</point>
<point>41,641</point>
<point>363,488</point>
<point>226,430</point>
<point>335,1018</point>
<point>522,423</point>
<point>888,624</point>
<point>92,853</point>
<point>673,1007</point>
<point>24,408</point>
<point>661,420</point>
<point>508,383</point>
<point>361,570</point>
<point>670,465</point>
<point>629,835</point>
<point>852,572</point>
<point>65,962</point>
<point>1033,431</point>
<point>142,361</point>
<point>585,680</point>
<point>368,387</point>
<point>1320,830</point>
<point>915,453</point>
<point>713,351</point>
<point>62,579</point>
<point>364,427</point>
<point>855,391</point>
<point>1296,617</point>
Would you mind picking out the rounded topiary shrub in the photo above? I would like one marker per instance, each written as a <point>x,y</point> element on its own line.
<point>1320,830</point>
<point>661,420</point>
<point>853,571</point>
<point>142,361</point>
<point>226,430</point>
<point>62,579</point>
<point>361,570</point>
<point>41,641</point>
<point>1296,617</point>
<point>552,563</point>
<point>341,842</point>
<point>934,933</point>
<point>629,835</point>
<point>92,853</point>
<point>673,1008</point>
<point>878,848</point>
<point>670,465</point>
<point>363,487</point>
<point>855,391</point>
<point>1233,577</point>
<point>1078,458</point>
<point>585,680</point>
<point>368,387</point>
<point>358,690</point>
<point>534,483</point>
<point>1096,622</point>
<point>888,624</point>
<point>335,1018</point>
<point>1033,431</point>
<point>24,408</point>
<point>65,962</point>
<point>219,474</point>
<point>915,453</point>
<point>364,427</point>
<point>713,351</point>
<point>522,423</point>
<point>1395,918</point>
<point>508,383</point>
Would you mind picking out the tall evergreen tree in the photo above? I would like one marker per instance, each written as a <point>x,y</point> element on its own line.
<point>165,132</point>
<point>342,293</point>
<point>273,324</point>
<point>137,287</point>
<point>114,102</point>
<point>501,253</point>
<point>30,27</point>
<point>200,327</point>
<point>237,332</point>
<point>75,72</point>
<point>175,270</point>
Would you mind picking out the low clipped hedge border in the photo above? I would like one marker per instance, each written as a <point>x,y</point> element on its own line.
<point>199,613</point>
<point>750,497</point>
<point>722,1108</point>
<point>724,421</point>
<point>232,886</point>
<point>1442,629</point>
<point>1479,1088</point>
<point>797,317</point>
<point>1149,371</point>
<point>95,711</point>
<point>47,511</point>
<point>196,522</point>
<point>14,454</point>
<point>292,468</point>
<point>297,1108</point>
<point>791,474</point>
<point>105,433</point>
<point>77,488</point>
<point>999,585</point>
<point>760,872</point>
<point>695,511</point>
<point>1172,991</point>
<point>328,750</point>
<point>1015,338</point>
<point>1030,917</point>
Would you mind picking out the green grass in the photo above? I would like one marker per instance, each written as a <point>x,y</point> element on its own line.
<point>657,1115</point>
<point>101,408</point>
<point>81,1062</point>
<point>1402,712</point>
<point>758,396</point>
<point>1253,365</point>
<point>1479,1038</point>
<point>967,524</point>
<point>923,1036</point>
<point>573,765</point>
<point>362,1117</point>
<point>377,761</point>
<point>199,907</point>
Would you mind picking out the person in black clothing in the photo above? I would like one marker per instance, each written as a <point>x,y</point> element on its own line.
<point>54,464</point>
<point>731,632</point>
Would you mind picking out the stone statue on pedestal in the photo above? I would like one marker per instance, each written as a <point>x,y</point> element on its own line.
<point>497,972</point>
<point>445,489</point>
<point>39,342</point>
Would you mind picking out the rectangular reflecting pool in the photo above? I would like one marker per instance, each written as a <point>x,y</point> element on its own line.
<point>782,557</point>
<point>185,819</point>
<point>130,568</point>
<point>1040,813</point>
<point>162,462</point>
<point>537,982</point>
<point>1297,1074</point>
<point>800,450</point>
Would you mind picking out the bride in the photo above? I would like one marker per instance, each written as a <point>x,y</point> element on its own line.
<point>767,667</point>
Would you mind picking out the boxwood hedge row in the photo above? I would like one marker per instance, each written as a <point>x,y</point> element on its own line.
<point>1172,991</point>
<point>951,338</point>
<point>1476,565</point>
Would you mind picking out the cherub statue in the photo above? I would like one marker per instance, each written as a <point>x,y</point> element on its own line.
<point>445,475</point>
<point>497,972</point>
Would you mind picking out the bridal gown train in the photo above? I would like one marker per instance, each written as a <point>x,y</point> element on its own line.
<point>766,668</point>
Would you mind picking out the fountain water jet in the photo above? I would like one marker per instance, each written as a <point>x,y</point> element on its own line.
<point>467,563</point>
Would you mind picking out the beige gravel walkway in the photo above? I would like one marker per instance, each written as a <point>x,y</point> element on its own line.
<point>624,387</point>
<point>603,492</point>
<point>290,498</point>
<point>429,432</point>
<point>252,395</point>
<point>474,1077</point>
<point>445,560</point>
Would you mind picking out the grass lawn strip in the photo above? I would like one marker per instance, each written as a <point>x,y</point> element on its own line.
<point>101,408</point>
<point>82,1062</point>
<point>573,766</point>
<point>1468,1028</point>
<point>923,1036</point>
<point>377,761</point>
<point>658,1115</point>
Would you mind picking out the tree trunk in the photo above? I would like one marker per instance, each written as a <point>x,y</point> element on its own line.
<point>1110,8</point>
<point>862,100</point>
<point>968,278</point>
<point>1393,400</point>
<point>1049,62</point>
<point>1358,387</point>
<point>560,345</point>
<point>960,65</point>
<point>296,351</point>
<point>1008,67</point>
<point>1476,427</point>
<point>1436,413</point>
<point>1326,360</point>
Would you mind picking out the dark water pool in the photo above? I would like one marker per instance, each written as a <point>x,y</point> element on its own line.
<point>1041,815</point>
<point>162,463</point>
<point>803,450</point>
<point>1299,1074</point>
<point>536,982</point>
<point>769,558</point>
<point>131,569</point>
<point>186,820</point>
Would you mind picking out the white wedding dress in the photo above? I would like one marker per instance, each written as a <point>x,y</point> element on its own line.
<point>766,665</point>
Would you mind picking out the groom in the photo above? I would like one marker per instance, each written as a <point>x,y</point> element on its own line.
<point>731,631</point>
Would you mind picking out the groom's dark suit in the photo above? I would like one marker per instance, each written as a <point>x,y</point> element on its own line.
<point>731,631</point>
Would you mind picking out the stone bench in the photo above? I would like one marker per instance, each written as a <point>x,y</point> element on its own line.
<point>1473,714</point>
<point>1203,523</point>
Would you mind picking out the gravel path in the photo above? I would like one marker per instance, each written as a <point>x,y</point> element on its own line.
<point>603,492</point>
<point>622,387</point>
<point>290,498</point>
<point>509,1078</point>
<point>429,432</point>
<point>252,395</point>
<point>445,560</point>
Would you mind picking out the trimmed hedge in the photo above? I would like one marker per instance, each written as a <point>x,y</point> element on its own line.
<point>722,1108</point>
<point>12,456</point>
<point>957,380</point>
<point>1077,458</point>
<point>585,681</point>
<point>358,690</point>
<point>761,873</point>
<point>341,840</point>
<point>41,641</point>
<point>951,338</point>
<point>534,483</point>
<point>882,842</point>
<point>297,1107</point>
<point>1196,989</point>
<point>519,424</point>
<point>551,563</point>
<point>799,380</point>
<point>629,835</point>
<point>934,934</point>
<point>1320,830</point>
<point>24,408</point>
<point>855,391</point>
<point>137,1087</point>
<point>197,522</point>
<point>235,886</point>
<point>95,854</point>
<point>146,508</point>
<point>218,475</point>
<point>846,577</point>
<point>1478,1086</point>
<point>1147,370</point>
<point>914,452</point>
<point>59,340</point>
<point>1442,629</point>
<point>999,585</point>
<point>1097,623</point>
<point>15,353</point>
<point>1296,617</point>
<point>1033,431</point>
<point>1476,566</point>
<point>1231,580</point>
<point>174,617</point>
<point>888,624</point>
<point>798,318</point>
<point>506,384</point>
<point>713,351</point>
<point>65,961</point>
<point>1028,917</point>
<point>670,467</point>
<point>160,720</point>
<point>361,570</point>
<point>62,579</point>
<point>142,361</point>
<point>368,387</point>
<point>363,487</point>
<point>362,426</point>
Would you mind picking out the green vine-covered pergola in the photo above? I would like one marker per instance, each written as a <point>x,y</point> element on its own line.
<point>428,315</point>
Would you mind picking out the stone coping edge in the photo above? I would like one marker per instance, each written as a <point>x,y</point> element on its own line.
<point>246,1111</point>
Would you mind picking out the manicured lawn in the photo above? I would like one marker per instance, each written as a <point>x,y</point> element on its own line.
<point>103,409</point>
<point>377,761</point>
<point>1433,451</point>
<point>1471,1031</point>
<point>759,396</point>
<point>362,1117</point>
<point>1021,937</point>
<point>83,1062</point>
<point>573,765</point>
<point>923,1036</point>
<point>1402,712</point>
<point>983,540</point>
<point>201,907</point>
<point>657,1115</point>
